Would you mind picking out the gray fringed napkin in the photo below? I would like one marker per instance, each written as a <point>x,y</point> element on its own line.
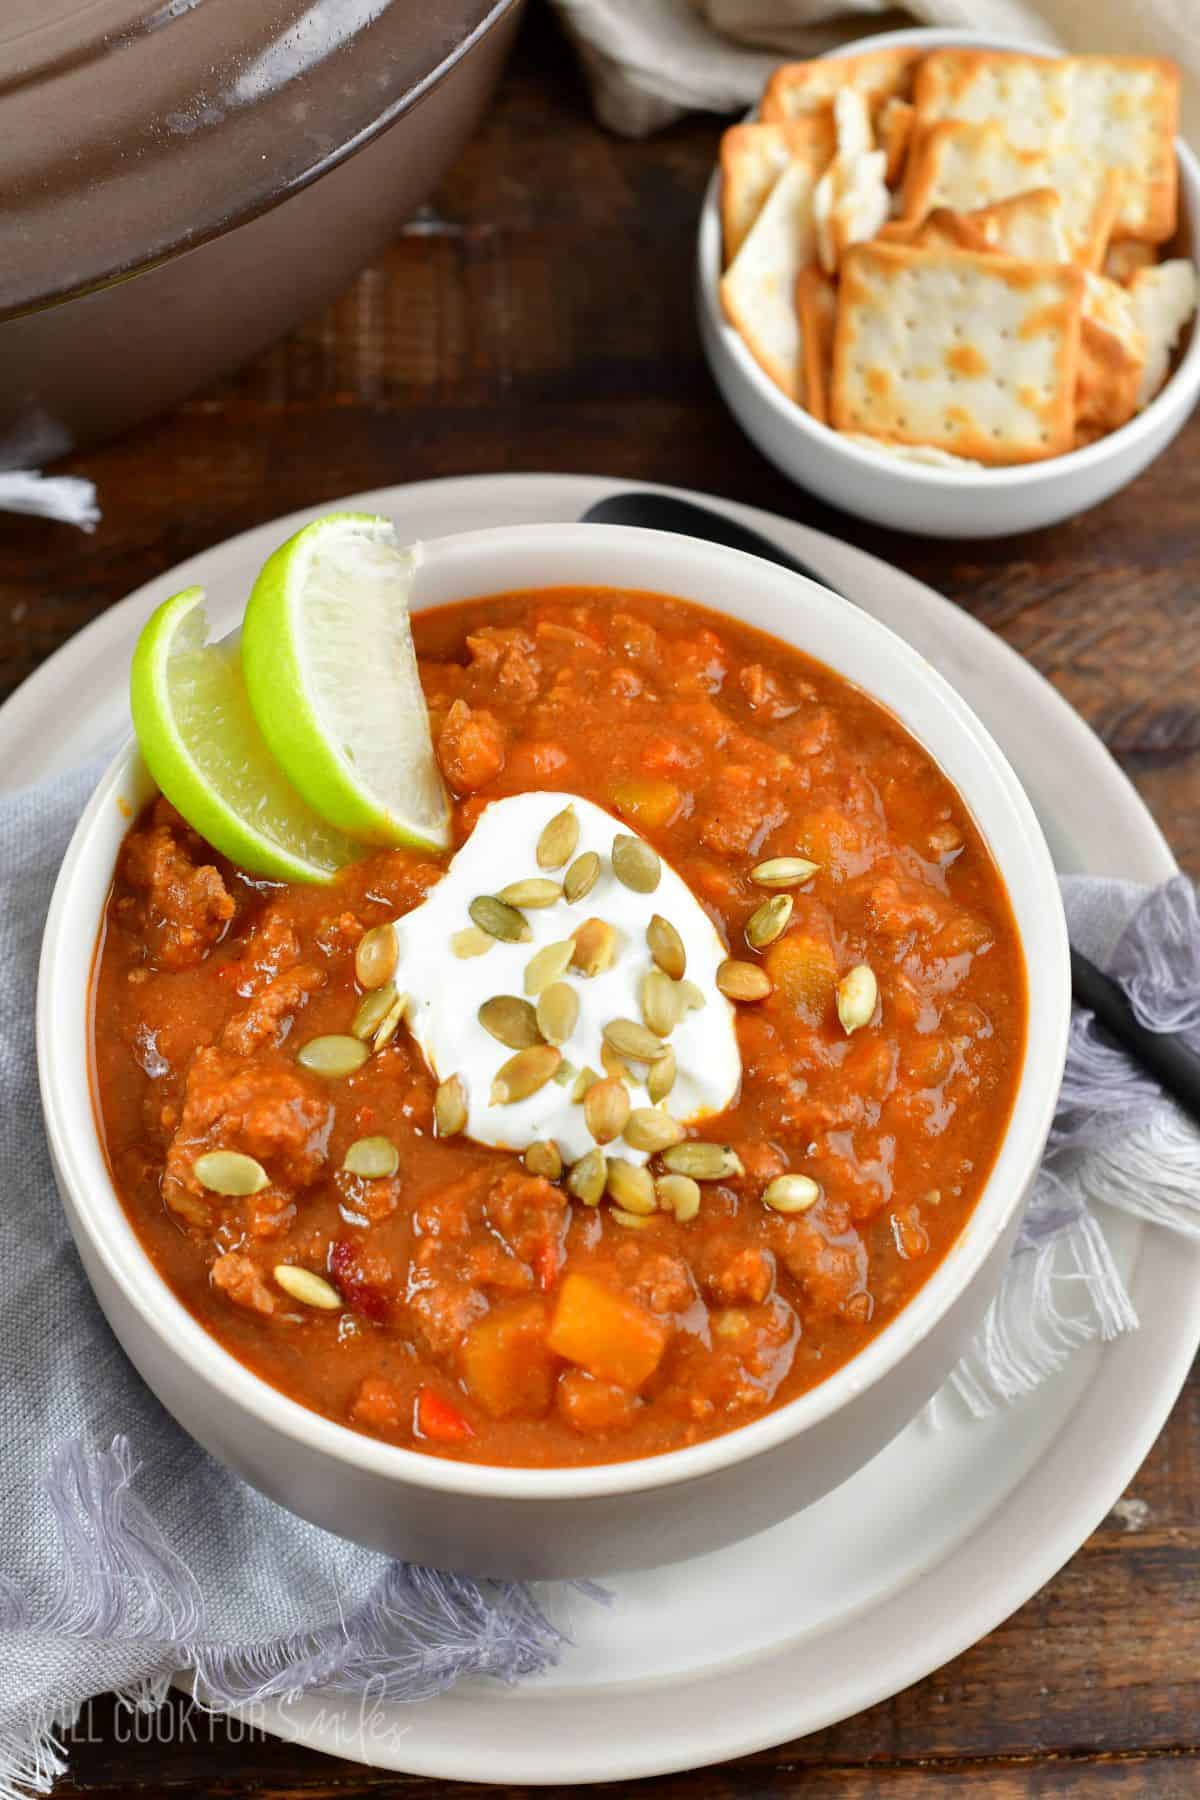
<point>126,1553</point>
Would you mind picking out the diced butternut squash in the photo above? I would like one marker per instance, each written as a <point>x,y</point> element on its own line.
<point>507,1364</point>
<point>610,1336</point>
<point>805,971</point>
<point>646,802</point>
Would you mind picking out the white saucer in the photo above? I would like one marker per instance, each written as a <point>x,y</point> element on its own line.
<point>945,1534</point>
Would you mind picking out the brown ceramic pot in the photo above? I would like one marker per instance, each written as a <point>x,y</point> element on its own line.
<point>186,179</point>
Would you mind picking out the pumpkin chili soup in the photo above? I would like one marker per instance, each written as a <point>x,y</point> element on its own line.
<point>636,1116</point>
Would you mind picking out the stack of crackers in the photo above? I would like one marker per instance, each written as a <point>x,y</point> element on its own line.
<point>955,256</point>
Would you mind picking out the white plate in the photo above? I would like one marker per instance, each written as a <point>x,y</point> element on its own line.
<point>823,1616</point>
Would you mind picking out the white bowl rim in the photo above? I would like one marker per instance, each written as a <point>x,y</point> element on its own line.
<point>102,1216</point>
<point>924,475</point>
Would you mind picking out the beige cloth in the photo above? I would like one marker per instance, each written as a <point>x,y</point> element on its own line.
<point>648,61</point>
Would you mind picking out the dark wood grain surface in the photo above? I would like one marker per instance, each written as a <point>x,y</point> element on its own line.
<point>539,316</point>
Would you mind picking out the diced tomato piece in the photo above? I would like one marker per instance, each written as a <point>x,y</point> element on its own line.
<point>602,1331</point>
<point>360,1296</point>
<point>439,1420</point>
<point>507,1364</point>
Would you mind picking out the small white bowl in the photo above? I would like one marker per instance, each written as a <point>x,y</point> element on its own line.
<point>563,1522</point>
<point>948,503</point>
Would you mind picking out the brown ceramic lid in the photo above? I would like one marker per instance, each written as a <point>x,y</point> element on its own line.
<point>133,129</point>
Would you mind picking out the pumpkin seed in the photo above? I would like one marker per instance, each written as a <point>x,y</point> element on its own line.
<point>565,1074</point>
<point>586,1178</point>
<point>557,1012</point>
<point>534,891</point>
<point>791,1194</point>
<point>612,1065</point>
<point>692,996</point>
<point>373,1009</point>
<point>551,961</point>
<point>857,994</point>
<point>581,877</point>
<point>660,1077</point>
<point>743,980</point>
<point>510,1021</point>
<point>783,871</point>
<point>629,1039</point>
<point>585,1079</point>
<point>470,942</point>
<point>631,1221</point>
<point>376,957</point>
<point>660,1000</point>
<point>524,1073</point>
<point>649,1129</point>
<point>679,1194</point>
<point>635,863</point>
<point>333,1056</point>
<point>372,1157</point>
<point>231,1173</point>
<point>387,1029</point>
<point>631,1187</point>
<point>544,1158</point>
<point>595,947</point>
<point>666,947</point>
<point>450,1107</point>
<point>499,919</point>
<point>605,1110</point>
<point>703,1162</point>
<point>309,1289</point>
<point>556,846</point>
<point>769,921</point>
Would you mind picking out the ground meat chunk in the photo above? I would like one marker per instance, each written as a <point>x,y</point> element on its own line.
<point>829,1271</point>
<point>267,1112</point>
<point>506,655</point>
<point>530,1214</point>
<point>733,1275</point>
<point>380,1405</point>
<point>242,1280</point>
<point>268,1017</point>
<point>187,906</point>
<point>470,748</point>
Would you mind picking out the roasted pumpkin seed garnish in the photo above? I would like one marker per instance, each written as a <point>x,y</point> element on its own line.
<point>692,996</point>
<point>649,1129</point>
<point>372,1010</point>
<point>551,961</point>
<point>524,1073</point>
<point>510,1020</point>
<point>585,1079</point>
<point>450,1107</point>
<point>307,1288</point>
<point>581,877</point>
<point>630,1220</point>
<point>565,1074</point>
<point>586,1178</point>
<point>660,1077</point>
<point>372,1158</point>
<point>614,1065</point>
<point>666,947</point>
<point>661,1005</point>
<point>631,1187</point>
<point>743,980</point>
<point>678,1194</point>
<point>635,863</point>
<point>544,1158</point>
<point>332,1056</point>
<point>791,1193</point>
<point>595,947</point>
<point>376,957</point>
<point>783,871</point>
<point>470,941</point>
<point>535,891</point>
<point>500,920</point>
<point>702,1161</point>
<point>769,921</point>
<point>605,1110</point>
<point>857,994</point>
<point>638,1042</point>
<point>556,846</point>
<point>557,1012</point>
<point>388,1026</point>
<point>231,1173</point>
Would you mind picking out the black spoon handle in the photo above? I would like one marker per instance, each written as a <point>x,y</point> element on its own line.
<point>1163,1054</point>
<point>663,512</point>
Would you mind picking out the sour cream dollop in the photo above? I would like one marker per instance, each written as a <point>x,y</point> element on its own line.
<point>446,991</point>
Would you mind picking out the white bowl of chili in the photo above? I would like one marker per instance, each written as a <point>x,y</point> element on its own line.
<point>968,500</point>
<point>495,1517</point>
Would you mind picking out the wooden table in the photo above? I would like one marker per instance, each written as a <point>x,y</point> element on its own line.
<point>539,316</point>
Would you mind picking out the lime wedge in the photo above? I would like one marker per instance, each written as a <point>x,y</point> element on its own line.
<point>202,746</point>
<point>331,673</point>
